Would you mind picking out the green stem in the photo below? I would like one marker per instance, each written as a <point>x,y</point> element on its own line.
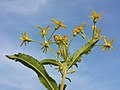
<point>63,78</point>
<point>52,34</point>
<point>85,37</point>
<point>99,45</point>
<point>54,55</point>
<point>71,40</point>
<point>37,42</point>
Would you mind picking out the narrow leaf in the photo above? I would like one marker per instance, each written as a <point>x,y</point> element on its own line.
<point>33,64</point>
<point>81,51</point>
<point>49,62</point>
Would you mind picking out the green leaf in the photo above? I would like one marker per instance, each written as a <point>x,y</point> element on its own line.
<point>83,50</point>
<point>65,54</point>
<point>33,64</point>
<point>49,62</point>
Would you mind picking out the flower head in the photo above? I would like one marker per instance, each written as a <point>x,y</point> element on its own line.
<point>25,38</point>
<point>59,24</point>
<point>61,39</point>
<point>57,37</point>
<point>44,30</point>
<point>95,16</point>
<point>107,44</point>
<point>79,29</point>
<point>65,38</point>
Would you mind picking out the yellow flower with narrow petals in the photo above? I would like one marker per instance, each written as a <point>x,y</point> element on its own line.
<point>107,44</point>
<point>25,38</point>
<point>59,23</point>
<point>95,16</point>
<point>44,30</point>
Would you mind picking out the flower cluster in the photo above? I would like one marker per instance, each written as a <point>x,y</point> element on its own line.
<point>61,39</point>
<point>79,29</point>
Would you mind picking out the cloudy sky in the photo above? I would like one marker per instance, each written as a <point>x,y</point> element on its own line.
<point>98,71</point>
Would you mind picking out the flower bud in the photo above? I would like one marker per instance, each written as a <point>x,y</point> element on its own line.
<point>57,37</point>
<point>93,27</point>
<point>65,38</point>
<point>60,68</point>
<point>58,52</point>
<point>73,71</point>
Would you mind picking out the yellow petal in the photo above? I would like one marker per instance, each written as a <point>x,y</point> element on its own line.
<point>93,12</point>
<point>54,20</point>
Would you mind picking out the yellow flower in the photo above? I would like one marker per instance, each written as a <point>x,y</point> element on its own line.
<point>79,29</point>
<point>75,32</point>
<point>25,38</point>
<point>44,30</point>
<point>57,37</point>
<point>59,24</point>
<point>107,44</point>
<point>61,39</point>
<point>65,38</point>
<point>95,16</point>
<point>82,26</point>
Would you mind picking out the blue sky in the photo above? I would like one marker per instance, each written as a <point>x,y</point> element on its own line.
<point>98,71</point>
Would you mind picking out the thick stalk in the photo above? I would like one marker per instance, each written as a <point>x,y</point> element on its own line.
<point>63,78</point>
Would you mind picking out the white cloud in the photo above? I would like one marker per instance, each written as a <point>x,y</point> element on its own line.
<point>15,75</point>
<point>24,6</point>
